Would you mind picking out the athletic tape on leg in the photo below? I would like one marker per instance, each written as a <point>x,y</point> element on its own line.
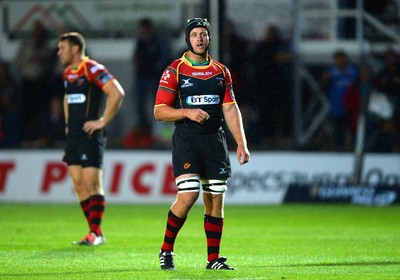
<point>191,184</point>
<point>214,186</point>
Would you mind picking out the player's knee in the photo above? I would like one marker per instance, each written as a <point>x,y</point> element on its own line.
<point>214,186</point>
<point>190,184</point>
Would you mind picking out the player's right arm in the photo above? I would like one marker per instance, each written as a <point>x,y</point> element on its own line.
<point>169,114</point>
<point>65,105</point>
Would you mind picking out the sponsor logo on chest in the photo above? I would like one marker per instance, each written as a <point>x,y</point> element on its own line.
<point>202,100</point>
<point>207,73</point>
<point>76,98</point>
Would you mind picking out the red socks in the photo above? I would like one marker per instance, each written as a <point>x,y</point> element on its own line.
<point>85,205</point>
<point>174,224</point>
<point>213,229</point>
<point>97,206</point>
<point>93,208</point>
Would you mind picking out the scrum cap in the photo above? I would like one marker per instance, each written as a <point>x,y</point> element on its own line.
<point>194,23</point>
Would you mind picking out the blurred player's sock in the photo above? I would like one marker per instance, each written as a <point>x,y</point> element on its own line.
<point>85,205</point>
<point>97,206</point>
<point>213,229</point>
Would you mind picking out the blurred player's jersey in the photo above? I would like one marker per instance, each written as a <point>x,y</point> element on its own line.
<point>208,87</point>
<point>84,89</point>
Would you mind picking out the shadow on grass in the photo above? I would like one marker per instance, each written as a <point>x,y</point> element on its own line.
<point>340,264</point>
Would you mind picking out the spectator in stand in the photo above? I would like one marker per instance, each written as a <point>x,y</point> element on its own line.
<point>10,125</point>
<point>54,128</point>
<point>235,55</point>
<point>389,83</point>
<point>273,97</point>
<point>139,137</point>
<point>149,60</point>
<point>379,131</point>
<point>335,80</point>
<point>47,129</point>
<point>33,64</point>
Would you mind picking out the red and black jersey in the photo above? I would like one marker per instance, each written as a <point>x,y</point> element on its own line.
<point>84,90</point>
<point>207,87</point>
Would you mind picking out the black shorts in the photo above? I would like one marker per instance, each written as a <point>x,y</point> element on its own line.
<point>85,151</point>
<point>203,154</point>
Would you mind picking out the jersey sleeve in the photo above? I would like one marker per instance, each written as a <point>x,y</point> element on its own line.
<point>229,96</point>
<point>167,88</point>
<point>98,75</point>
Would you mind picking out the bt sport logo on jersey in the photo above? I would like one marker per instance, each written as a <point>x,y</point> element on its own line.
<point>195,100</point>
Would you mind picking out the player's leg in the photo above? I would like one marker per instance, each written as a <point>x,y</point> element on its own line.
<point>213,198</point>
<point>92,178</point>
<point>90,189</point>
<point>75,172</point>
<point>92,149</point>
<point>188,192</point>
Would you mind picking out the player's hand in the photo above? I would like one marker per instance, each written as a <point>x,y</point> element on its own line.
<point>243,154</point>
<point>198,115</point>
<point>91,126</point>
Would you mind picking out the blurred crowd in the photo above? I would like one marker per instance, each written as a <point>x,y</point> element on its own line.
<point>31,93</point>
<point>368,89</point>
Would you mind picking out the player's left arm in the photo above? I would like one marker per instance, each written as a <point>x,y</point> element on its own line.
<point>233,119</point>
<point>115,95</point>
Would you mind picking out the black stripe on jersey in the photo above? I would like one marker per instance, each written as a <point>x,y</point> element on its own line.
<point>168,89</point>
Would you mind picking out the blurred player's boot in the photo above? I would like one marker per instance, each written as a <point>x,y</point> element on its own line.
<point>91,239</point>
<point>219,264</point>
<point>167,260</point>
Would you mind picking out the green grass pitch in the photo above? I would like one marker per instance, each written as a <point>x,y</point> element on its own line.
<point>263,242</point>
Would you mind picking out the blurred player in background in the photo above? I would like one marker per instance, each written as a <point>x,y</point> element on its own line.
<point>196,93</point>
<point>85,83</point>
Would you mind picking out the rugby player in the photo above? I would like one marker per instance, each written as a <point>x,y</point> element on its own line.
<point>195,92</point>
<point>85,82</point>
